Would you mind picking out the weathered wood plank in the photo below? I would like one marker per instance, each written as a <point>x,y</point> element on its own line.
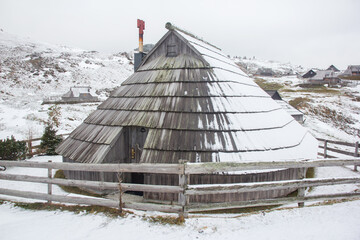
<point>337,142</point>
<point>61,199</point>
<point>124,167</point>
<point>264,186</point>
<point>90,201</point>
<point>49,184</point>
<point>93,184</point>
<point>191,168</point>
<point>268,202</point>
<point>338,151</point>
<point>201,168</point>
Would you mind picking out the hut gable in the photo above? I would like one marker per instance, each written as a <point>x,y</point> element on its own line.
<point>187,100</point>
<point>309,74</point>
<point>333,68</point>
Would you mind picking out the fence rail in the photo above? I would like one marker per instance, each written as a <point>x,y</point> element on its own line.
<point>31,146</point>
<point>338,149</point>
<point>185,189</point>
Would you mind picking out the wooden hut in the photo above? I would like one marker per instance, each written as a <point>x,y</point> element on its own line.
<point>188,101</point>
<point>309,74</point>
<point>352,70</point>
<point>333,68</point>
<point>79,94</point>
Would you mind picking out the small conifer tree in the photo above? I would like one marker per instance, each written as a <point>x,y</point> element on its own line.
<point>10,149</point>
<point>49,140</point>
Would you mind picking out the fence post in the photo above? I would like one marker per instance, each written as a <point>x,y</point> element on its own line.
<point>301,191</point>
<point>49,184</point>
<point>183,199</point>
<point>119,176</point>
<point>29,143</point>
<point>356,154</point>
<point>325,148</point>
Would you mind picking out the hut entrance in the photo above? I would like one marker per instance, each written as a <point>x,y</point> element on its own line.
<point>137,137</point>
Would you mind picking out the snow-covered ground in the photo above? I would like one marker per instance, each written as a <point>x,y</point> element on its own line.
<point>332,222</point>
<point>336,221</point>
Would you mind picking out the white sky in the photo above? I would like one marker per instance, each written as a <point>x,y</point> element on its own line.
<point>312,33</point>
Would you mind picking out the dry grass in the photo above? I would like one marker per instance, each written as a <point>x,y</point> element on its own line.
<point>268,85</point>
<point>299,102</point>
<point>351,77</point>
<point>110,212</point>
<point>319,89</point>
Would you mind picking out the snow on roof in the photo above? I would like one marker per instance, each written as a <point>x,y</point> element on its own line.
<point>320,75</point>
<point>79,90</point>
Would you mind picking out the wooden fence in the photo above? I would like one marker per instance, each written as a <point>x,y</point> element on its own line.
<point>184,190</point>
<point>330,147</point>
<point>34,144</point>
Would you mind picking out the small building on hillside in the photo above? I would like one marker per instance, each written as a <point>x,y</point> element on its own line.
<point>309,74</point>
<point>79,94</point>
<point>296,114</point>
<point>267,72</point>
<point>333,68</point>
<point>325,77</point>
<point>352,70</point>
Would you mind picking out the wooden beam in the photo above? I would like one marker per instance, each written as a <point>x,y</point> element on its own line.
<point>340,151</point>
<point>59,198</point>
<point>212,167</point>
<point>93,184</point>
<point>93,167</point>
<point>90,201</point>
<point>265,186</point>
<point>337,142</point>
<point>268,202</point>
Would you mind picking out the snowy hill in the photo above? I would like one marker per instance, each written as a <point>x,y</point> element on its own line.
<point>31,71</point>
<point>253,66</point>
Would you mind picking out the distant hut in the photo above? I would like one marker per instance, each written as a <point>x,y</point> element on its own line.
<point>266,72</point>
<point>309,74</point>
<point>296,114</point>
<point>325,77</point>
<point>188,101</point>
<point>352,70</point>
<point>333,68</point>
<point>79,94</point>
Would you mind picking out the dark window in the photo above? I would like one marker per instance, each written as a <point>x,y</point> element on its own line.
<point>171,50</point>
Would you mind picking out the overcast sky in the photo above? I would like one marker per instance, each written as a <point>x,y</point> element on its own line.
<point>312,33</point>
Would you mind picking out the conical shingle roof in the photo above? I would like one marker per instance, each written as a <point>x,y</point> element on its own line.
<point>197,105</point>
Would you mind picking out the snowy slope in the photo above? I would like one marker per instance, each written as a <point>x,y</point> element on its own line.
<point>31,71</point>
<point>252,65</point>
<point>332,113</point>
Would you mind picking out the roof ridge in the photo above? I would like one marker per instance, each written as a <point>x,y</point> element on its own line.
<point>172,27</point>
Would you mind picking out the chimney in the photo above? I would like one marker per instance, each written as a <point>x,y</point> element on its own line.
<point>138,57</point>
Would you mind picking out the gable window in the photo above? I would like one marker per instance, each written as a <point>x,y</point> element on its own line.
<point>171,50</point>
